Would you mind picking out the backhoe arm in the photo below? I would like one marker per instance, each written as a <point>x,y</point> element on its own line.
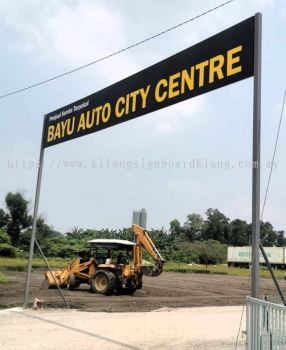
<point>143,239</point>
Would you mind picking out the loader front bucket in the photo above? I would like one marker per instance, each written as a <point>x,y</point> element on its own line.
<point>57,277</point>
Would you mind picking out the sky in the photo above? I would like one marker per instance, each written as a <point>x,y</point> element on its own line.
<point>97,181</point>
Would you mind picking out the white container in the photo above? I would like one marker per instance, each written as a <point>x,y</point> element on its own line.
<point>276,255</point>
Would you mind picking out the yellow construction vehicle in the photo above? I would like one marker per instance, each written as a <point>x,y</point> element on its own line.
<point>113,266</point>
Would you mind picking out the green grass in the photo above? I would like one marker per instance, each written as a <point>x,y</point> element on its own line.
<point>20,264</point>
<point>221,269</point>
<point>3,278</point>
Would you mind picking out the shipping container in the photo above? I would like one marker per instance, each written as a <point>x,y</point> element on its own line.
<point>237,256</point>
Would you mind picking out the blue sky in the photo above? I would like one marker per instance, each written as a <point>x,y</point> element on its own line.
<point>40,39</point>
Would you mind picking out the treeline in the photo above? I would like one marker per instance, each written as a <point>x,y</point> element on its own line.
<point>218,227</point>
<point>198,240</point>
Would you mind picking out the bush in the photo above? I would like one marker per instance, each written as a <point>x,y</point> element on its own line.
<point>4,237</point>
<point>199,252</point>
<point>8,250</point>
<point>62,247</point>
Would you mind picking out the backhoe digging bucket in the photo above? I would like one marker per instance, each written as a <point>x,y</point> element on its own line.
<point>155,270</point>
<point>60,277</point>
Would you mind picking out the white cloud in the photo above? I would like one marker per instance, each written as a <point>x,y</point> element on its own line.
<point>72,31</point>
<point>218,20</point>
<point>68,34</point>
<point>173,118</point>
<point>83,31</point>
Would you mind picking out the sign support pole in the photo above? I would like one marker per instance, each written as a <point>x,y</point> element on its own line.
<point>34,227</point>
<point>256,156</point>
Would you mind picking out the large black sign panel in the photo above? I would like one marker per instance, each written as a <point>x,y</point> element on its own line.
<point>222,59</point>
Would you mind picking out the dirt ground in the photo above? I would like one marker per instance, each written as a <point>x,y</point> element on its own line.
<point>169,290</point>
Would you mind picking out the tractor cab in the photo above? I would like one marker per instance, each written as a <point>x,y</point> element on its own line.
<point>111,251</point>
<point>114,268</point>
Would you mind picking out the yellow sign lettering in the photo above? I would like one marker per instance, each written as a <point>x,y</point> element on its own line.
<point>106,112</point>
<point>173,85</point>
<point>216,64</point>
<point>201,68</point>
<point>187,78</point>
<point>89,120</point>
<point>159,95</point>
<point>51,133</point>
<point>144,94</point>
<point>119,107</point>
<point>231,60</point>
<point>58,131</point>
<point>81,123</point>
<point>133,96</point>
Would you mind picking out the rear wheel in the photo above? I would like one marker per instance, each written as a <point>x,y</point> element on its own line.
<point>103,282</point>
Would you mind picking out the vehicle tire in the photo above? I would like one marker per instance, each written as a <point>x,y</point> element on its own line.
<point>103,282</point>
<point>129,290</point>
<point>72,283</point>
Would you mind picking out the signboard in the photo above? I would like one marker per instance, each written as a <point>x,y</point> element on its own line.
<point>222,59</point>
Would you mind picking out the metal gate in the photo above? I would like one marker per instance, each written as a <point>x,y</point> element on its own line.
<point>265,325</point>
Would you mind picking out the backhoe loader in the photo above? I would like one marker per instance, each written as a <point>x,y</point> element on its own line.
<point>113,266</point>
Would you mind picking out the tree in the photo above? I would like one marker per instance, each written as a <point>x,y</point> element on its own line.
<point>126,233</point>
<point>43,230</point>
<point>193,226</point>
<point>239,233</point>
<point>268,235</point>
<point>4,219</point>
<point>76,232</point>
<point>19,219</point>
<point>281,240</point>
<point>216,226</point>
<point>175,228</point>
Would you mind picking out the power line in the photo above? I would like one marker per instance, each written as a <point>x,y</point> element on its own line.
<point>274,153</point>
<point>115,53</point>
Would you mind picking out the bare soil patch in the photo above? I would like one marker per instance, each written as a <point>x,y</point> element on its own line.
<point>170,290</point>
